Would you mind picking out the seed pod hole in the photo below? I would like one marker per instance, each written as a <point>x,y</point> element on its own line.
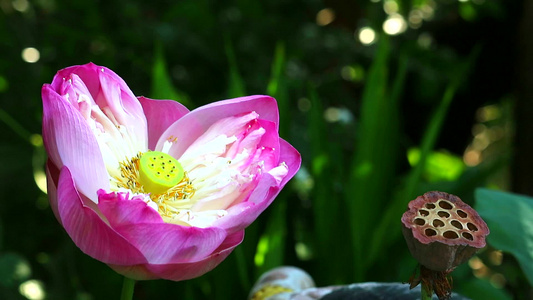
<point>424,212</point>
<point>419,221</point>
<point>461,213</point>
<point>450,235</point>
<point>456,224</point>
<point>443,214</point>
<point>445,204</point>
<point>471,226</point>
<point>467,236</point>
<point>438,223</point>
<point>430,205</point>
<point>430,232</point>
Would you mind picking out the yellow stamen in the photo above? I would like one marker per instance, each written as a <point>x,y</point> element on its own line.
<point>170,200</point>
<point>159,171</point>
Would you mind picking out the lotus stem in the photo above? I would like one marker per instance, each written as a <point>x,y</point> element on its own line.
<point>426,291</point>
<point>128,286</point>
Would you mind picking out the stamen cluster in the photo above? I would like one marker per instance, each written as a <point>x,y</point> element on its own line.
<point>170,203</point>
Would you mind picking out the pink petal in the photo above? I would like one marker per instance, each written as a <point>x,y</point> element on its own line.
<point>291,157</point>
<point>186,270</point>
<point>108,90</point>
<point>262,136</point>
<point>86,71</point>
<point>115,94</point>
<point>243,214</point>
<point>194,124</point>
<point>160,242</point>
<point>70,142</point>
<point>88,231</point>
<point>160,114</point>
<point>119,209</point>
<point>170,243</point>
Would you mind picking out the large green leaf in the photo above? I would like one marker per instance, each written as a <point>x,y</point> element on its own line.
<point>477,288</point>
<point>510,220</point>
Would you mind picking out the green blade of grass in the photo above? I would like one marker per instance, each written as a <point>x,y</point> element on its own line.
<point>277,87</point>
<point>388,230</point>
<point>328,204</point>
<point>278,66</point>
<point>162,87</point>
<point>236,87</point>
<point>373,165</point>
<point>384,232</point>
<point>271,246</point>
<point>14,125</point>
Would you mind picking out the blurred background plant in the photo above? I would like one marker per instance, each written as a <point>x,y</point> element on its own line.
<point>385,99</point>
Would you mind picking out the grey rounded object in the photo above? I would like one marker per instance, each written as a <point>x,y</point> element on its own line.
<point>380,291</point>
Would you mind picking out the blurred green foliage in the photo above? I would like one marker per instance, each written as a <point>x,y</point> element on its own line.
<point>377,124</point>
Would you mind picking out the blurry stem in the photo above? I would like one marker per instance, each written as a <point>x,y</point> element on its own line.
<point>241,268</point>
<point>14,125</point>
<point>127,289</point>
<point>426,291</point>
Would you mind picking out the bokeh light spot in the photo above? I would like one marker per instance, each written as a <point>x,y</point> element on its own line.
<point>325,16</point>
<point>367,35</point>
<point>30,55</point>
<point>467,11</point>
<point>32,289</point>
<point>472,158</point>
<point>498,280</point>
<point>415,18</point>
<point>395,24</point>
<point>20,5</point>
<point>3,84</point>
<point>354,73</point>
<point>390,7</point>
<point>425,40</point>
<point>304,104</point>
<point>36,140</point>
<point>40,180</point>
<point>334,114</point>
<point>303,251</point>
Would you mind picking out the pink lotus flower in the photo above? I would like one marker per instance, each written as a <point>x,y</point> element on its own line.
<point>147,186</point>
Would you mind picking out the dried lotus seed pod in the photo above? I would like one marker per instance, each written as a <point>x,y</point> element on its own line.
<point>442,231</point>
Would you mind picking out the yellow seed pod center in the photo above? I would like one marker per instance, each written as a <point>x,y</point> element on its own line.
<point>159,171</point>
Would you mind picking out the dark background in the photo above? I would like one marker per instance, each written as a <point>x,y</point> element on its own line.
<point>200,51</point>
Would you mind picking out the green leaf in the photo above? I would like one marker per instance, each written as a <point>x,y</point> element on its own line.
<point>477,288</point>
<point>510,220</point>
<point>162,87</point>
